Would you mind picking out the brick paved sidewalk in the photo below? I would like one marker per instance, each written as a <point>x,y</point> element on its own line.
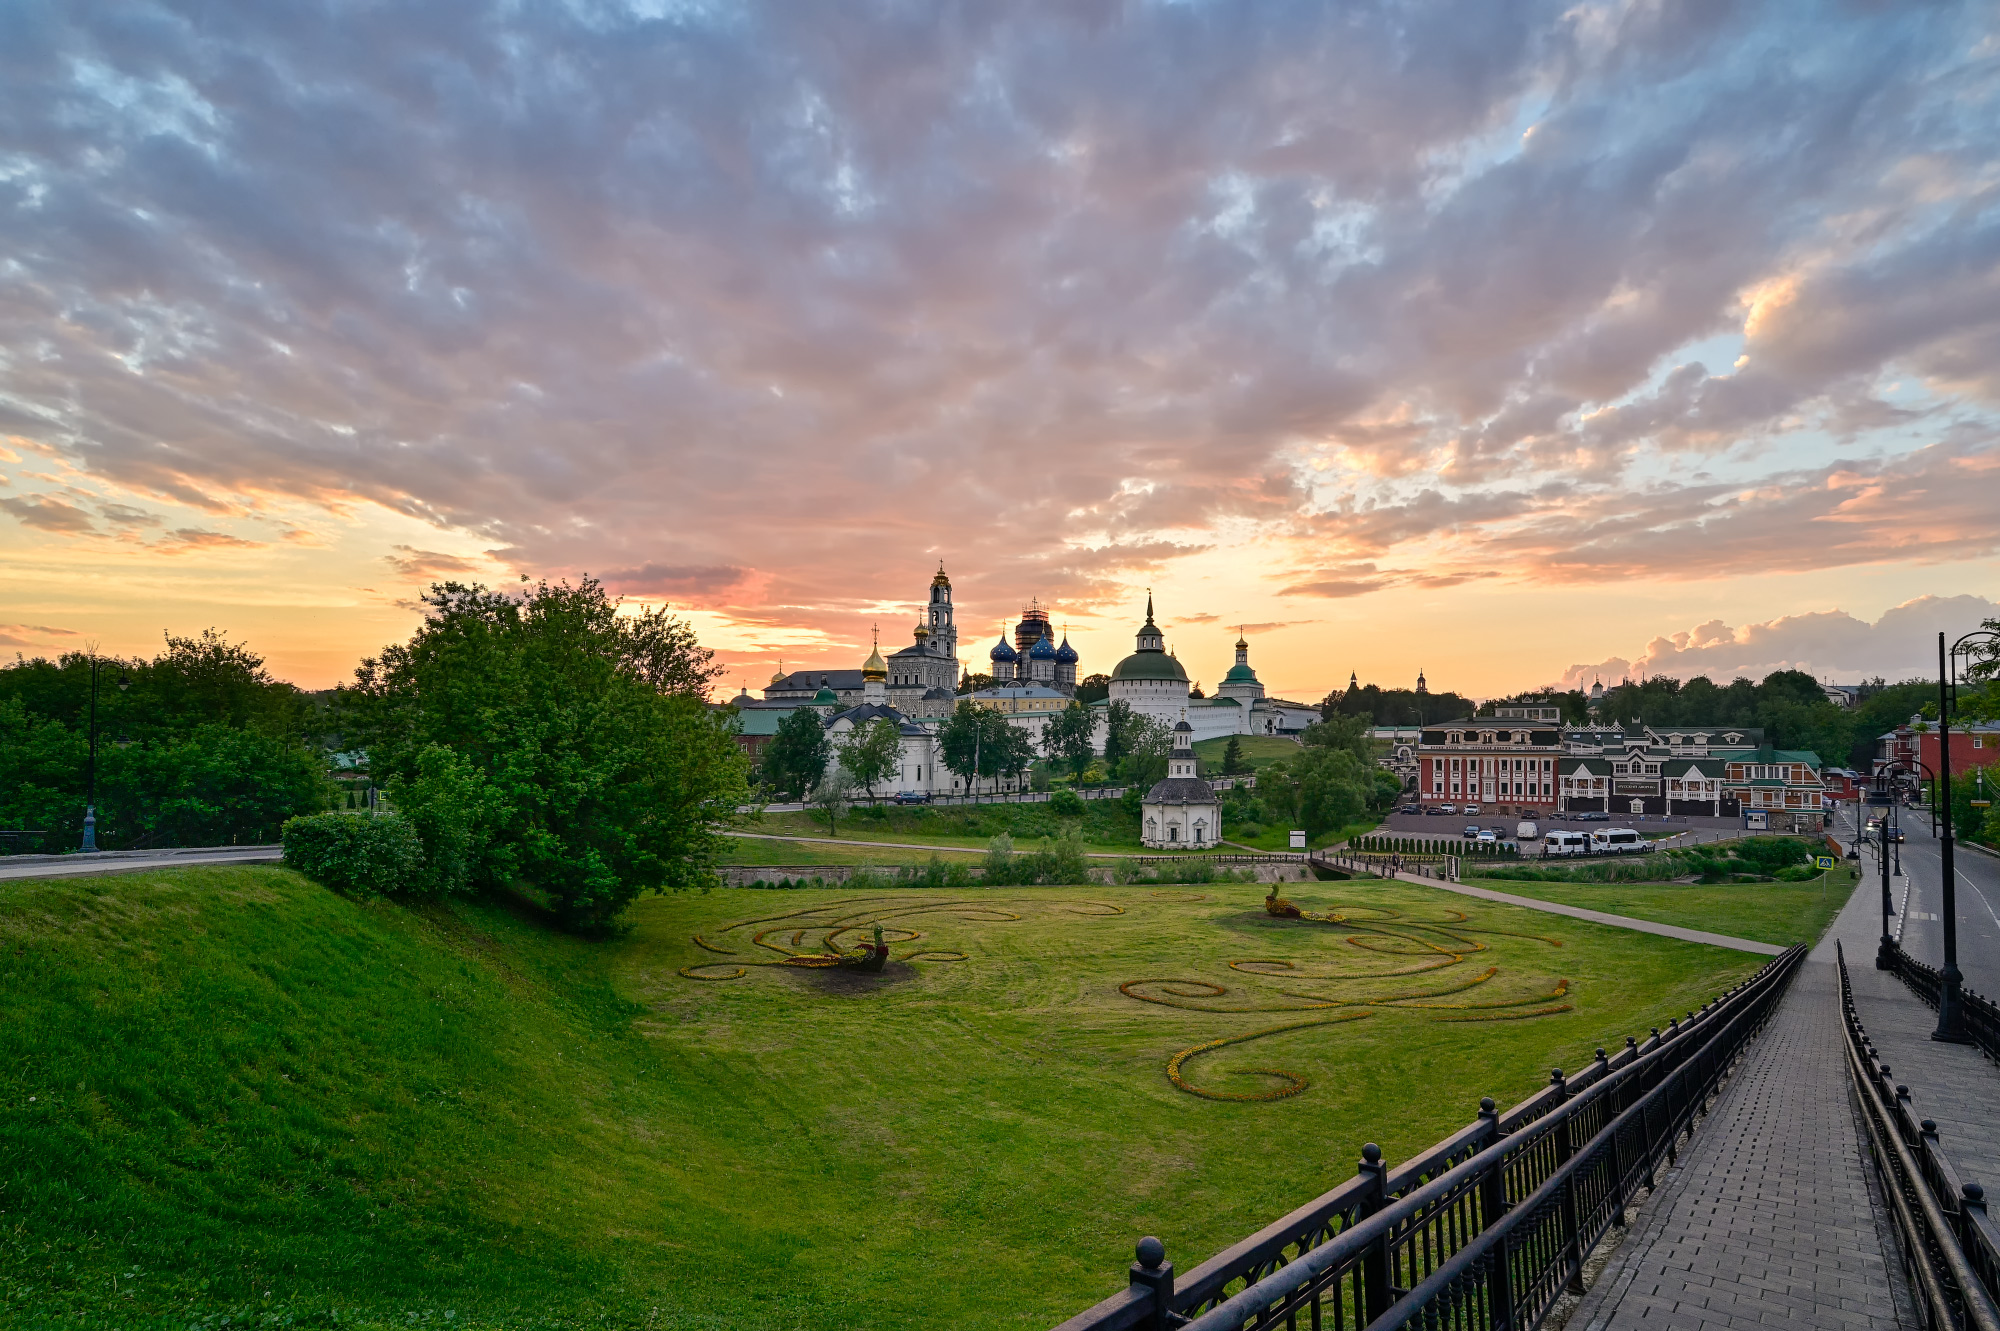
<point>1768,1221</point>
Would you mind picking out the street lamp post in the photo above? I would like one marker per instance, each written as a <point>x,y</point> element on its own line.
<point>90,769</point>
<point>1886,951</point>
<point>90,761</point>
<point>1951,1001</point>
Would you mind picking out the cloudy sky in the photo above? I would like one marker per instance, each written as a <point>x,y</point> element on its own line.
<point>1506,340</point>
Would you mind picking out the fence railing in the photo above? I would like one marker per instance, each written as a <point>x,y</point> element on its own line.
<point>1488,1227</point>
<point>1949,1245</point>
<point>1982,1014</point>
<point>1443,869</point>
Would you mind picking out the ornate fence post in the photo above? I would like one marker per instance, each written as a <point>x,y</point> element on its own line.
<point>1615,1104</point>
<point>1493,1205</point>
<point>1153,1271</point>
<point>1566,1147</point>
<point>1376,1294</point>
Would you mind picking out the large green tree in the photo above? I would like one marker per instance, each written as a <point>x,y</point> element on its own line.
<point>796,758</point>
<point>1067,738</point>
<point>605,772</point>
<point>976,741</point>
<point>872,753</point>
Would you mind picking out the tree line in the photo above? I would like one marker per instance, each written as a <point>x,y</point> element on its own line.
<point>538,740</point>
<point>198,745</point>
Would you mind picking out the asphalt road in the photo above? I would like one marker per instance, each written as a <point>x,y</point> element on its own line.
<point>76,866</point>
<point>1978,902</point>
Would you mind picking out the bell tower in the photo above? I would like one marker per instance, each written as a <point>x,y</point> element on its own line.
<point>944,633</point>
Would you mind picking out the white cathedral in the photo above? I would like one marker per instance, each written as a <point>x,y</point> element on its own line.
<point>1035,677</point>
<point>1152,682</point>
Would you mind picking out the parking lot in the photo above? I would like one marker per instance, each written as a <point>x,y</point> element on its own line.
<point>1685,829</point>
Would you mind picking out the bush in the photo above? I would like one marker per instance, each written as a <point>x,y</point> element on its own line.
<point>1066,804</point>
<point>452,810</point>
<point>357,855</point>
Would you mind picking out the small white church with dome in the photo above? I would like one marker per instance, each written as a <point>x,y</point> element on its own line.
<point>1153,683</point>
<point>1181,812</point>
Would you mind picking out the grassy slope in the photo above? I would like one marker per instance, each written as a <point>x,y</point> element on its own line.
<point>222,1082</point>
<point>1258,751</point>
<point>1767,912</point>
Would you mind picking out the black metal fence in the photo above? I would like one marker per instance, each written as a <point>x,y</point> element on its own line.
<point>1487,1228</point>
<point>1982,1015</point>
<point>1949,1245</point>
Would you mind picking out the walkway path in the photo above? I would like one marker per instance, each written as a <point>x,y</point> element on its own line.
<point>132,861</point>
<point>1954,1084</point>
<point>1598,916</point>
<point>1769,1220</point>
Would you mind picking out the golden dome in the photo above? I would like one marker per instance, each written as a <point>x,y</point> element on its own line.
<point>874,668</point>
<point>940,580</point>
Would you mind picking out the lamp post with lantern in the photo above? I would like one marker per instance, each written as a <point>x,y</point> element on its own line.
<point>90,761</point>
<point>1951,982</point>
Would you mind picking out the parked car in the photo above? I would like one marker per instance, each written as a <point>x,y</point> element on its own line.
<point>1617,841</point>
<point>1527,831</point>
<point>913,797</point>
<point>1447,808</point>
<point>1435,809</point>
<point>1471,831</point>
<point>1488,837</point>
<point>1562,841</point>
<point>1470,811</point>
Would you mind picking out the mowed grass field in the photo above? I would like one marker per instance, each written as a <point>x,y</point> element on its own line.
<point>1257,750</point>
<point>1783,913</point>
<point>230,1093</point>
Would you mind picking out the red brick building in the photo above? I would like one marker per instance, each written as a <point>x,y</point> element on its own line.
<point>1976,745</point>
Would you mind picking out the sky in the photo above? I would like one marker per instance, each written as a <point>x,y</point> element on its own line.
<point>1515,343</point>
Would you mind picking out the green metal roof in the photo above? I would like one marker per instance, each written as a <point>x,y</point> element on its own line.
<point>1149,665</point>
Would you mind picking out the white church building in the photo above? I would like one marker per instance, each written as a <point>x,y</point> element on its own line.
<point>1153,683</point>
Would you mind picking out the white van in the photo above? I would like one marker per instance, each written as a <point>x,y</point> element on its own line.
<point>1561,841</point>
<point>1526,832</point>
<point>1617,841</point>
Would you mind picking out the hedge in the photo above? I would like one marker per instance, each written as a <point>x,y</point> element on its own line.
<point>359,855</point>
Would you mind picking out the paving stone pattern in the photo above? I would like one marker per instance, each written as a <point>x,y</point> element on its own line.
<point>1768,1221</point>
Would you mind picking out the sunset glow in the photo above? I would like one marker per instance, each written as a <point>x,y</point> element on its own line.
<point>1513,343</point>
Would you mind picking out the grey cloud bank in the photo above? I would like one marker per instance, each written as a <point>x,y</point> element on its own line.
<point>718,301</point>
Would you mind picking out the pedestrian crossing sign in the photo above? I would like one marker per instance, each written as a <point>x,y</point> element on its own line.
<point>1826,862</point>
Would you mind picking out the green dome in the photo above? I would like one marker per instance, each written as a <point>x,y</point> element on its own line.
<point>826,697</point>
<point>1240,674</point>
<point>1149,665</point>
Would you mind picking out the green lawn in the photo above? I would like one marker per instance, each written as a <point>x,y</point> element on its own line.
<point>1258,751</point>
<point>759,850</point>
<point>1768,912</point>
<point>231,1094</point>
